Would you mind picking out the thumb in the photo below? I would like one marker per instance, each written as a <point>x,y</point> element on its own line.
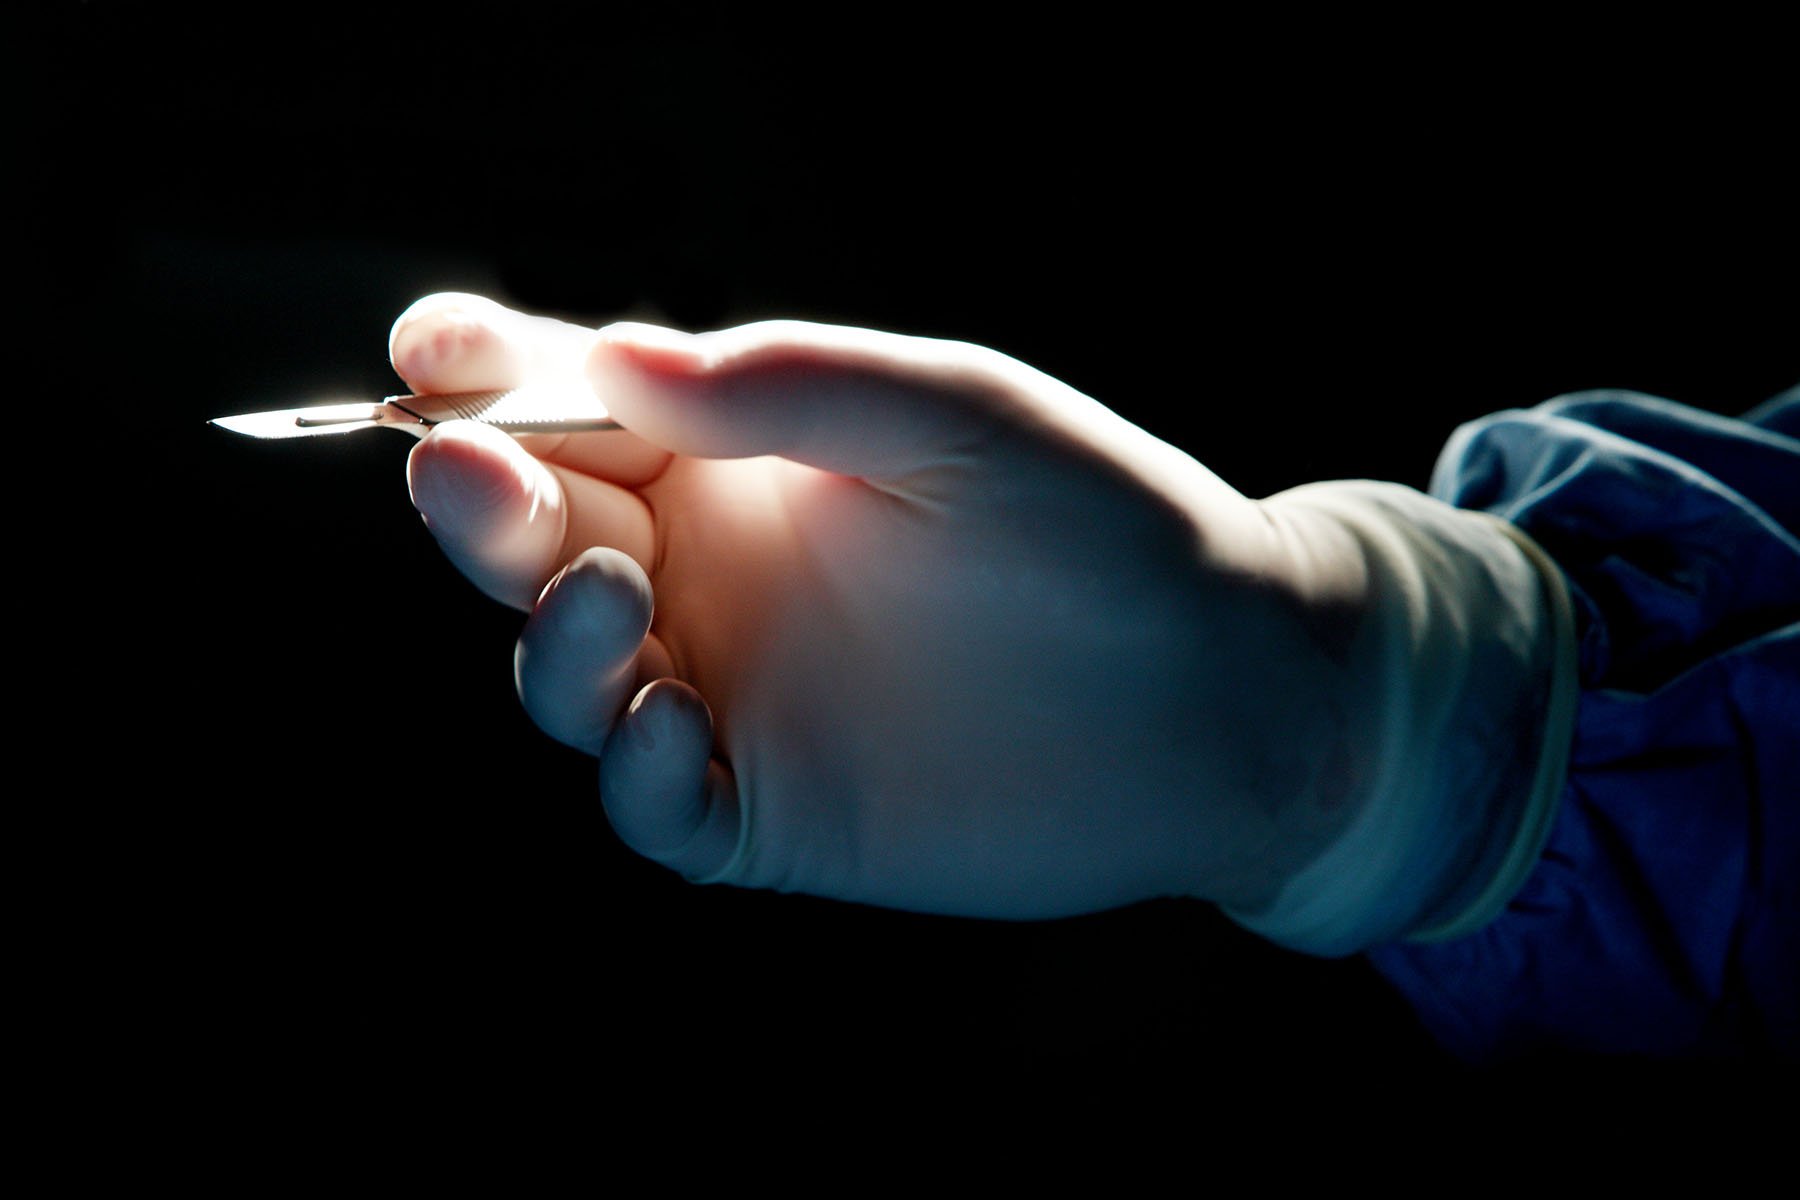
<point>854,401</point>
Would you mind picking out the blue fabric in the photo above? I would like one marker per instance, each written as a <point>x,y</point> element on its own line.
<point>1664,916</point>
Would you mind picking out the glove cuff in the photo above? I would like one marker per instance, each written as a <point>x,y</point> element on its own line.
<point>1475,692</point>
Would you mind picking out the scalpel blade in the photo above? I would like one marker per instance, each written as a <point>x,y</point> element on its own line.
<point>515,410</point>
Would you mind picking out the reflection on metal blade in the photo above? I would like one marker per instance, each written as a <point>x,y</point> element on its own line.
<point>516,410</point>
<point>303,422</point>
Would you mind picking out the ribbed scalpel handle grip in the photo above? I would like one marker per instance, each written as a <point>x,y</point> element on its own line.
<point>515,410</point>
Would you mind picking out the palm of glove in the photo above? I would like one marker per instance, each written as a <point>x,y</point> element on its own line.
<point>966,641</point>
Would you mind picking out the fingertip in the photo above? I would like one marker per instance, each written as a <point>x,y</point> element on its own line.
<point>665,796</point>
<point>669,709</point>
<point>435,304</point>
<point>497,512</point>
<point>455,341</point>
<point>574,661</point>
<point>462,469</point>
<point>601,597</point>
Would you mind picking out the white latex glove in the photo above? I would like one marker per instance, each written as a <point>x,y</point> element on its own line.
<point>898,620</point>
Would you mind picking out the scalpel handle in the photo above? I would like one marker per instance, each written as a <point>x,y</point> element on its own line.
<point>516,410</point>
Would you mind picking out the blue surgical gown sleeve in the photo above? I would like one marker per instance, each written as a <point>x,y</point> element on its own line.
<point>1662,917</point>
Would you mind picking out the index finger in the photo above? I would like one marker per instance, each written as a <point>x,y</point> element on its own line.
<point>461,342</point>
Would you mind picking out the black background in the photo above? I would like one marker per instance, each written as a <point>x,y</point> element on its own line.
<point>316,843</point>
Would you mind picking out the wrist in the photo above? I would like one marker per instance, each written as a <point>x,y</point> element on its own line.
<point>1283,737</point>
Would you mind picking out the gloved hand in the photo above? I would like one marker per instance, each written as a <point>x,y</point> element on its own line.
<point>897,620</point>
